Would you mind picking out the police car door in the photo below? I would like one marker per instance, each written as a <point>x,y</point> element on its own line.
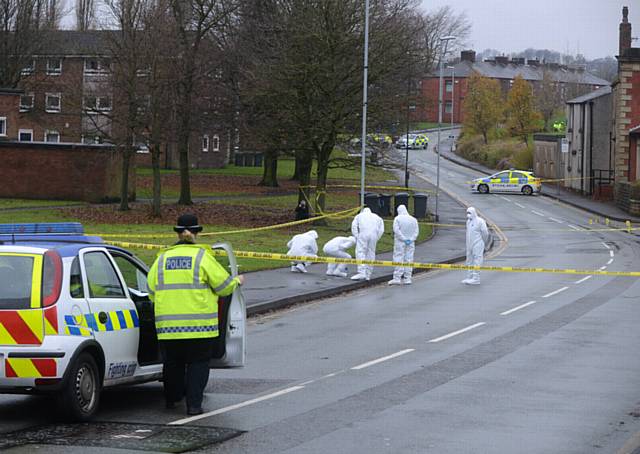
<point>500,182</point>
<point>112,316</point>
<point>232,319</point>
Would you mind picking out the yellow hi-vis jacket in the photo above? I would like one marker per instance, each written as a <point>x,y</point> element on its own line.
<point>184,284</point>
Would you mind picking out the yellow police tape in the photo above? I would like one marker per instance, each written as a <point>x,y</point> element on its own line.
<point>353,186</point>
<point>337,215</point>
<point>389,263</point>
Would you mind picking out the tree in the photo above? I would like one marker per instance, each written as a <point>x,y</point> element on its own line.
<point>442,22</point>
<point>548,98</point>
<point>85,14</point>
<point>522,118</point>
<point>482,106</point>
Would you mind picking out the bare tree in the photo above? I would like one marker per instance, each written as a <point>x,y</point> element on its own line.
<point>194,22</point>
<point>54,11</point>
<point>442,22</point>
<point>548,98</point>
<point>85,14</point>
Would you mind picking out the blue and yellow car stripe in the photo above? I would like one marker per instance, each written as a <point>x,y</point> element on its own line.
<point>89,323</point>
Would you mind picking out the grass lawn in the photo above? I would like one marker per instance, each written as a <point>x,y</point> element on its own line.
<point>265,241</point>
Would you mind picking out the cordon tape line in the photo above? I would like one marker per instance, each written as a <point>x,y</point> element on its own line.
<point>337,215</point>
<point>389,263</point>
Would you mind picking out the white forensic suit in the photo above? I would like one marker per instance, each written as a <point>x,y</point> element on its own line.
<point>337,247</point>
<point>367,228</point>
<point>303,244</point>
<point>405,232</point>
<point>477,237</point>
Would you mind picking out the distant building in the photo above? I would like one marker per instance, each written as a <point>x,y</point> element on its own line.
<point>572,81</point>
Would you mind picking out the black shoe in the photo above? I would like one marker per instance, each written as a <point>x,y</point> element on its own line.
<point>193,411</point>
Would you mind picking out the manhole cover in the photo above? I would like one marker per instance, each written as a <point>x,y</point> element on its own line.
<point>142,437</point>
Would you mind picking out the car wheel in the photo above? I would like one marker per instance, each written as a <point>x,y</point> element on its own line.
<point>483,189</point>
<point>527,190</point>
<point>81,393</point>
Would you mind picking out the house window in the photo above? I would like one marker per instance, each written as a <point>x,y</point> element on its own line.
<point>216,143</point>
<point>448,107</point>
<point>29,68</point>
<point>448,86</point>
<point>53,102</point>
<point>25,135</point>
<point>97,103</point>
<point>26,102</point>
<point>96,65</point>
<point>52,136</point>
<point>54,66</point>
<point>3,126</point>
<point>205,143</point>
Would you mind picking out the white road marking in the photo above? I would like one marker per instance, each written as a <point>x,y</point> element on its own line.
<point>555,292</point>
<point>522,306</point>
<point>610,262</point>
<point>455,333</point>
<point>517,204</point>
<point>556,220</point>
<point>246,403</point>
<point>602,268</point>
<point>583,279</point>
<point>611,253</point>
<point>504,198</point>
<point>571,226</point>
<point>538,213</point>
<point>384,358</point>
<point>606,245</point>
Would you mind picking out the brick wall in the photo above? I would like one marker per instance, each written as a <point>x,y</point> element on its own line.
<point>428,111</point>
<point>9,103</point>
<point>61,172</point>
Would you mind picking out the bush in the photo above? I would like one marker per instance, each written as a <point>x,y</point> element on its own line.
<point>501,154</point>
<point>523,159</point>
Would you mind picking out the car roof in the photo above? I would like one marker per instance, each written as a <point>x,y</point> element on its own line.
<point>67,238</point>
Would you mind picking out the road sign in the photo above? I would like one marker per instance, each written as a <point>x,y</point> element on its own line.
<point>565,145</point>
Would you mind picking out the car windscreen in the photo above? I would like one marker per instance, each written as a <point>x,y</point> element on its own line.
<point>16,276</point>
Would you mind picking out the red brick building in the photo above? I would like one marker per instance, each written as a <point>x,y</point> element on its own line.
<point>572,81</point>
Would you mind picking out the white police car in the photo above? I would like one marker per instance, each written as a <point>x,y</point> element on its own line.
<point>415,141</point>
<point>75,317</point>
<point>518,181</point>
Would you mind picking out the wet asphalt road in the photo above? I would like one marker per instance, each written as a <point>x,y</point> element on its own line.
<point>527,363</point>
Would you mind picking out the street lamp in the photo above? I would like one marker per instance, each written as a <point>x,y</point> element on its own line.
<point>444,41</point>
<point>364,101</point>
<point>453,89</point>
<point>406,142</point>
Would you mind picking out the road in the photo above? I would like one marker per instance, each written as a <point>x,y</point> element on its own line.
<point>527,363</point>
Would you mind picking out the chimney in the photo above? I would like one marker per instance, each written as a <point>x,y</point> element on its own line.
<point>468,55</point>
<point>502,60</point>
<point>625,31</point>
<point>517,61</point>
<point>533,62</point>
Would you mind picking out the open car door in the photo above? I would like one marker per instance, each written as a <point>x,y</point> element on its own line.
<point>230,346</point>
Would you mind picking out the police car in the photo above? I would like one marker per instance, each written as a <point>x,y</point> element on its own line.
<point>415,141</point>
<point>518,181</point>
<point>75,317</point>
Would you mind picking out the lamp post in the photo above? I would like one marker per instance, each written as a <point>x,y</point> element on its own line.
<point>406,142</point>
<point>364,101</point>
<point>453,90</point>
<point>444,41</point>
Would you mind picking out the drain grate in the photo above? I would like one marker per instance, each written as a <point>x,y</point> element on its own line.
<point>141,437</point>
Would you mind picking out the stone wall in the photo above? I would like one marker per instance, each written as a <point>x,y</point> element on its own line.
<point>48,171</point>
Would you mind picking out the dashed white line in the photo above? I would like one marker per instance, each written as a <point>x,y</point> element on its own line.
<point>571,226</point>
<point>521,206</point>
<point>610,262</point>
<point>583,279</point>
<point>602,268</point>
<point>556,220</point>
<point>246,403</point>
<point>384,358</point>
<point>606,245</point>
<point>611,253</point>
<point>455,333</point>
<point>538,213</point>
<point>522,306</point>
<point>555,292</point>
<point>505,198</point>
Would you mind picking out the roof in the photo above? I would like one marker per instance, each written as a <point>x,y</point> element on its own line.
<point>511,70</point>
<point>76,43</point>
<point>603,91</point>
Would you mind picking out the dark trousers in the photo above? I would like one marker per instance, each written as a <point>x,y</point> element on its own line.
<point>186,369</point>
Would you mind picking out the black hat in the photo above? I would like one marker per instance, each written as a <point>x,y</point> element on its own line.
<point>189,222</point>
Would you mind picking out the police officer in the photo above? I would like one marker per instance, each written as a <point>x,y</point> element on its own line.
<point>184,284</point>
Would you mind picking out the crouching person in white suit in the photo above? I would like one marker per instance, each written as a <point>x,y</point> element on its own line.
<point>303,244</point>
<point>337,247</point>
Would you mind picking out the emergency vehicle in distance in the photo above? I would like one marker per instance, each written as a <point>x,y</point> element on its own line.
<point>75,317</point>
<point>415,141</point>
<point>517,181</point>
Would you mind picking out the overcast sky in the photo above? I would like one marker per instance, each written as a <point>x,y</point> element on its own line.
<point>590,26</point>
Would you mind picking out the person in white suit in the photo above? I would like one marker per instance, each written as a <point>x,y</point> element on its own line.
<point>367,228</point>
<point>477,238</point>
<point>303,244</point>
<point>405,233</point>
<point>337,247</point>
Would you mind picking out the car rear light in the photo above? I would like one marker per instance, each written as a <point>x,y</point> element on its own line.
<point>51,278</point>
